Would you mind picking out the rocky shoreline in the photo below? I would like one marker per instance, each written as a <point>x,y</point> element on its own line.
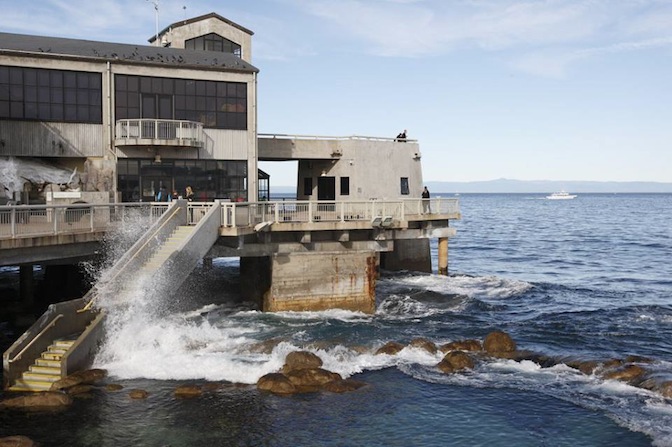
<point>302,372</point>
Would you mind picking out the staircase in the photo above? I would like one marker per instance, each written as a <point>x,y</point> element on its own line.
<point>171,244</point>
<point>169,249</point>
<point>46,370</point>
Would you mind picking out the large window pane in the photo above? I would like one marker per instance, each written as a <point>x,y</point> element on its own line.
<point>42,94</point>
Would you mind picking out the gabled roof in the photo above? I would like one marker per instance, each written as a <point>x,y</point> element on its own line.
<point>119,52</point>
<point>212,15</point>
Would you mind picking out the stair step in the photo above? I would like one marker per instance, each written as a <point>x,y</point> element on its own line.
<point>30,385</point>
<point>51,370</point>
<point>37,377</point>
<point>52,356</point>
<point>63,343</point>
<point>48,362</point>
<point>56,350</point>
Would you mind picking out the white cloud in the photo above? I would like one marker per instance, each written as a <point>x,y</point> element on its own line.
<point>541,36</point>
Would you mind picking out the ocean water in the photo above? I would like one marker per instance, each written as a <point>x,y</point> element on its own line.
<point>589,278</point>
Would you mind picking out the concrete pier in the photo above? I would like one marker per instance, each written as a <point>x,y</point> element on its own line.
<point>408,254</point>
<point>443,256</point>
<point>26,286</point>
<point>320,281</point>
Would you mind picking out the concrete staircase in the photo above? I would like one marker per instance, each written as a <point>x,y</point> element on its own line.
<point>170,245</point>
<point>46,370</point>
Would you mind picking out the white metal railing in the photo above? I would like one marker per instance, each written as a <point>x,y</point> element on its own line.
<point>46,220</point>
<point>187,133</point>
<point>280,136</point>
<point>248,214</point>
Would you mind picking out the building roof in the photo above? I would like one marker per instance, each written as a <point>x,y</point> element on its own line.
<point>212,15</point>
<point>118,52</point>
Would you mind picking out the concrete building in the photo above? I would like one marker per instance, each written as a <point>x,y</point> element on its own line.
<point>135,118</point>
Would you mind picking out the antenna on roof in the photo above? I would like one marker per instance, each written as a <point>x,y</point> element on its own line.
<point>184,12</point>
<point>156,14</point>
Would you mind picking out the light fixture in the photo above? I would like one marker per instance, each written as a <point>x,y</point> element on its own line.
<point>157,158</point>
<point>324,173</point>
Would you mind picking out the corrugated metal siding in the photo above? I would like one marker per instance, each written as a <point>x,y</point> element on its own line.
<point>225,144</point>
<point>42,139</point>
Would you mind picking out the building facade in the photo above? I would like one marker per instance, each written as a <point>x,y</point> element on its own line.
<point>132,120</point>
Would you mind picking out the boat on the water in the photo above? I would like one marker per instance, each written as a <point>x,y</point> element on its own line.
<point>562,195</point>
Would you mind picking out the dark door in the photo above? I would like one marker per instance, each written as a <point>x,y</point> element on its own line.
<point>326,188</point>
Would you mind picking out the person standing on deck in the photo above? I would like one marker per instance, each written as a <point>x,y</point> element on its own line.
<point>425,201</point>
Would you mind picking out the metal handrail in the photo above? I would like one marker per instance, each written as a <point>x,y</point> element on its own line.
<point>281,136</point>
<point>128,261</point>
<point>40,334</point>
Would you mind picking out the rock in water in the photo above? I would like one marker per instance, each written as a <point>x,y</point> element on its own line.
<point>187,391</point>
<point>425,344</point>
<point>301,360</point>
<point>138,394</point>
<point>464,345</point>
<point>276,383</point>
<point>47,399</point>
<point>17,441</point>
<point>390,348</point>
<point>455,361</point>
<point>498,341</point>
<point>343,386</point>
<point>312,377</point>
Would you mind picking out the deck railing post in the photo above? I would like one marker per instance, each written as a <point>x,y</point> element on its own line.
<point>310,211</point>
<point>342,211</point>
<point>13,221</point>
<point>277,211</point>
<point>55,213</point>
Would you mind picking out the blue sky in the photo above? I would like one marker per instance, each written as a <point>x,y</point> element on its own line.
<point>520,89</point>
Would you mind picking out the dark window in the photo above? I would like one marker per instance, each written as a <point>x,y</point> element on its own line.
<point>213,42</point>
<point>307,186</point>
<point>39,94</point>
<point>138,179</point>
<point>215,104</point>
<point>404,186</point>
<point>345,186</point>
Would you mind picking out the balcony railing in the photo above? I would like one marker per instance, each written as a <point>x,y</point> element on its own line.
<point>50,220</point>
<point>159,132</point>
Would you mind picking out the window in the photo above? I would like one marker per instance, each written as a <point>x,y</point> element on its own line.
<point>307,186</point>
<point>221,105</point>
<point>404,186</point>
<point>345,186</point>
<point>50,95</point>
<point>213,42</point>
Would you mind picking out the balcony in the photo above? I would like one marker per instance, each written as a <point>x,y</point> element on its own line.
<point>153,132</point>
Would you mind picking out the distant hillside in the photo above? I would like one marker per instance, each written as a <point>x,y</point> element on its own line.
<point>548,186</point>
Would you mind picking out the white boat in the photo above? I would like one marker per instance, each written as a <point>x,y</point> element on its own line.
<point>562,195</point>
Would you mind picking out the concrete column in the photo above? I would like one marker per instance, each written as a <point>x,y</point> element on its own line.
<point>26,286</point>
<point>443,256</point>
<point>408,254</point>
<point>255,278</point>
<point>322,280</point>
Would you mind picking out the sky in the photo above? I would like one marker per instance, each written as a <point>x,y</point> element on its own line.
<point>517,89</point>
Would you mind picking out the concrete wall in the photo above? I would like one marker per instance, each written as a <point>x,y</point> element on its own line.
<point>319,281</point>
<point>176,36</point>
<point>408,254</point>
<point>374,169</point>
